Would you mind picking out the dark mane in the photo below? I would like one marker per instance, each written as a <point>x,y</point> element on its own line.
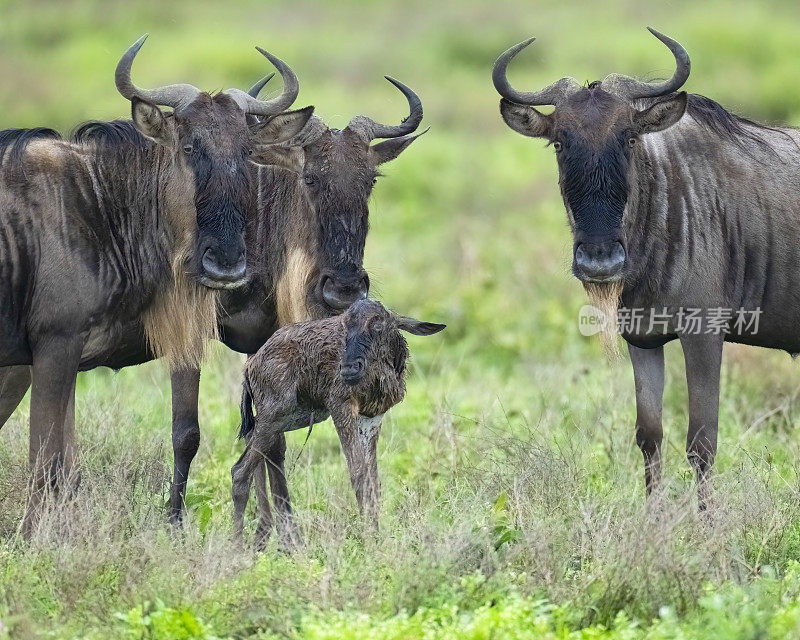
<point>15,140</point>
<point>117,133</point>
<point>728,126</point>
<point>711,114</point>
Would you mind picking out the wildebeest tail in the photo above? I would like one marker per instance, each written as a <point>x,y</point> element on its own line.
<point>248,418</point>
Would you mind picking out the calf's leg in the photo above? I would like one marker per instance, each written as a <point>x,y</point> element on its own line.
<point>264,527</point>
<point>55,366</point>
<point>359,438</point>
<point>14,384</point>
<point>185,434</point>
<point>272,460</point>
<point>703,357</point>
<point>241,477</point>
<point>648,375</point>
<point>288,535</point>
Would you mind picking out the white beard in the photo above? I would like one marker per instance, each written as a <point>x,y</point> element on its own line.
<point>605,298</point>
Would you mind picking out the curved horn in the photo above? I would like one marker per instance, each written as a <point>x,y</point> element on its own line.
<point>632,88</point>
<point>368,129</point>
<point>173,95</point>
<point>251,105</point>
<point>253,93</point>
<point>258,86</point>
<point>554,94</point>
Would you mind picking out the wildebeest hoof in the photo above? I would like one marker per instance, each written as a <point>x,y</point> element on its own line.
<point>290,542</point>
<point>176,519</point>
<point>262,538</point>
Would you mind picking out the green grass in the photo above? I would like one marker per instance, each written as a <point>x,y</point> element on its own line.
<point>513,492</point>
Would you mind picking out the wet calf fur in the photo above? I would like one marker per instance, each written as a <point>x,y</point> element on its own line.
<point>349,367</point>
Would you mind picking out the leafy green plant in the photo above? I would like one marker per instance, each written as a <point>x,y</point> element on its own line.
<point>159,622</point>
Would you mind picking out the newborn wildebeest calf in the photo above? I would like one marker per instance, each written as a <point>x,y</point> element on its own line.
<point>350,367</point>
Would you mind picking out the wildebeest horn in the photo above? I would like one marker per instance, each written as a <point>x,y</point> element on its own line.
<point>258,86</point>
<point>368,129</point>
<point>632,88</point>
<point>173,95</point>
<point>554,94</point>
<point>248,102</point>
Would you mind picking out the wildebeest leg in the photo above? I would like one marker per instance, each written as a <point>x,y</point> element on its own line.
<point>241,477</point>
<point>55,365</point>
<point>264,527</point>
<point>185,434</point>
<point>288,535</point>
<point>368,431</point>
<point>359,438</point>
<point>69,468</point>
<point>14,383</point>
<point>648,375</point>
<point>703,357</point>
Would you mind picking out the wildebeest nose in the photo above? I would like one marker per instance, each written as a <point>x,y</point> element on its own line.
<point>340,292</point>
<point>599,261</point>
<point>223,272</point>
<point>351,371</point>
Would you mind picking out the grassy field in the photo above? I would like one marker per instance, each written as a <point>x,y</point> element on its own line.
<point>514,498</point>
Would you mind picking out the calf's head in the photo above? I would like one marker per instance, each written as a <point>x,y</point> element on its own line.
<point>210,141</point>
<point>336,171</point>
<point>371,334</point>
<point>595,131</point>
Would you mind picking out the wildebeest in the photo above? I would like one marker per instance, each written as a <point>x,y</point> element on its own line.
<point>678,209</point>
<point>113,235</point>
<point>305,249</point>
<point>351,368</point>
<point>305,240</point>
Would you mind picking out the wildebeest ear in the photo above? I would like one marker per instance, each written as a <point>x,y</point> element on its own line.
<point>151,122</point>
<point>283,127</point>
<point>526,120</point>
<point>391,148</point>
<point>662,114</point>
<point>290,158</point>
<point>418,327</point>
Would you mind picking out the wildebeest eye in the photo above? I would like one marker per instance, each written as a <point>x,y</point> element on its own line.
<point>631,141</point>
<point>557,146</point>
<point>375,180</point>
<point>188,148</point>
<point>309,180</point>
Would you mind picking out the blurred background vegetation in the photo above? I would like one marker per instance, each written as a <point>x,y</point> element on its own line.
<point>510,472</point>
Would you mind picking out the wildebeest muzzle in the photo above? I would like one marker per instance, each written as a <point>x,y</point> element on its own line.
<point>599,260</point>
<point>342,287</point>
<point>223,265</point>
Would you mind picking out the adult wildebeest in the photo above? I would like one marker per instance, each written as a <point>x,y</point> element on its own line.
<point>305,240</point>
<point>678,208</point>
<point>111,236</point>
